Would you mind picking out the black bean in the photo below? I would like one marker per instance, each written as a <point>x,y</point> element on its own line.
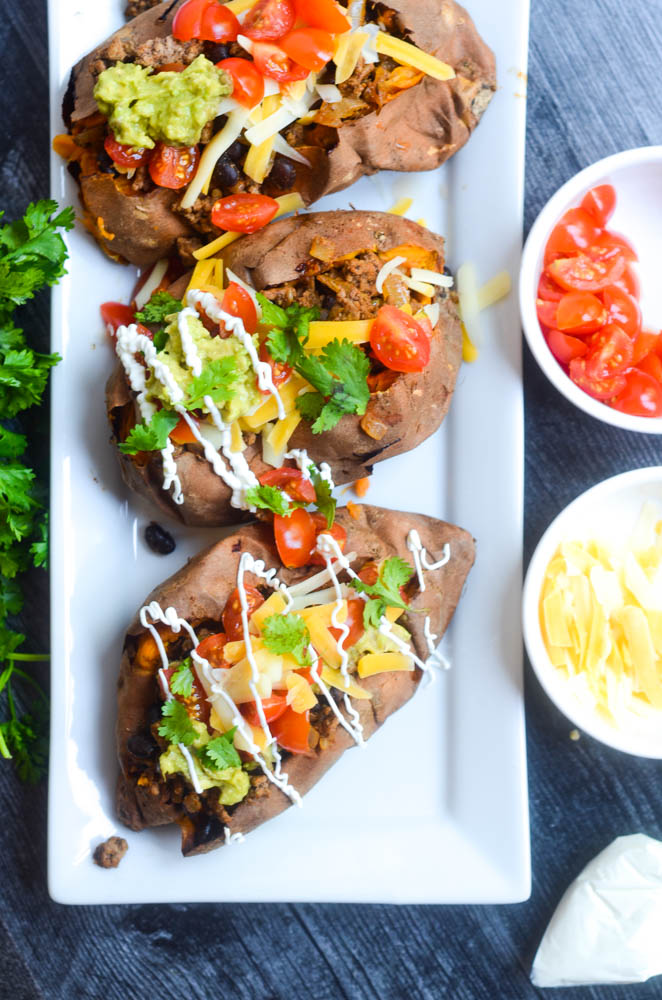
<point>105,163</point>
<point>448,272</point>
<point>283,174</point>
<point>154,714</point>
<point>159,540</point>
<point>216,52</point>
<point>208,828</point>
<point>226,174</point>
<point>141,745</point>
<point>236,151</point>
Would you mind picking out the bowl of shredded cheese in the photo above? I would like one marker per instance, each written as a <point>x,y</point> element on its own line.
<point>592,612</point>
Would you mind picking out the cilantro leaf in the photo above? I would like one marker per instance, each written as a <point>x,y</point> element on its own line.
<point>287,634</point>
<point>32,252</point>
<point>181,681</point>
<point>160,339</point>
<point>393,574</point>
<point>160,306</point>
<point>176,726</point>
<point>269,498</point>
<point>220,753</point>
<point>339,374</point>
<point>216,381</point>
<point>289,329</point>
<point>324,499</point>
<point>152,436</point>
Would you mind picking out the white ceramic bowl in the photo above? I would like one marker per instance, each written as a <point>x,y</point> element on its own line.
<point>637,177</point>
<point>610,511</point>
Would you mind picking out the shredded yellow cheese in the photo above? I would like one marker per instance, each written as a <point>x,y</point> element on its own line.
<point>287,203</point>
<point>322,333</point>
<point>202,273</point>
<point>401,206</point>
<point>282,431</point>
<point>347,54</point>
<point>334,678</point>
<point>409,55</point>
<point>494,290</point>
<point>268,411</point>
<point>239,6</point>
<point>381,663</point>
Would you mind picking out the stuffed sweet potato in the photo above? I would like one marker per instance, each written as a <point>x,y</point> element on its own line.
<point>362,358</point>
<point>220,737</point>
<point>402,90</point>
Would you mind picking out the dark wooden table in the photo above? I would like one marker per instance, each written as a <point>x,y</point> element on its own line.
<point>593,90</point>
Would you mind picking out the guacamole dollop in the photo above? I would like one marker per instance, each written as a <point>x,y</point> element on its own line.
<point>373,641</point>
<point>144,107</point>
<point>245,393</point>
<point>233,782</point>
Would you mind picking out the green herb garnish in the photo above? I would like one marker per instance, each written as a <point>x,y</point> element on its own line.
<point>385,593</point>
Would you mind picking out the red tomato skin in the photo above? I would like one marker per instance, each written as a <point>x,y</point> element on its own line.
<point>295,538</point>
<point>651,364</point>
<point>622,309</point>
<point>581,273</point>
<point>248,82</point>
<point>273,707</point>
<point>205,20</point>
<point>354,622</point>
<point>269,20</point>
<point>237,302</point>
<point>322,14</point>
<point>629,282</point>
<point>232,620</point>
<point>610,353</point>
<point>182,433</point>
<point>125,156</point>
<point>600,203</point>
<point>211,649</point>
<point>564,347</point>
<point>548,290</point>
<point>641,395</point>
<point>603,390</point>
<point>546,310</point>
<point>271,61</point>
<point>173,166</point>
<point>280,373</point>
<point>197,703</point>
<point>309,47</point>
<point>291,730</point>
<point>291,481</point>
<point>114,315</point>
<point>336,531</point>
<point>580,313</point>
<point>576,230</point>
<point>645,342</point>
<point>611,241</point>
<point>243,212</point>
<point>399,341</point>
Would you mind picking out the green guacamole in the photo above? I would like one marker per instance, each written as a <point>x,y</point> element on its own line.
<point>246,396</point>
<point>144,107</point>
<point>372,641</point>
<point>233,782</point>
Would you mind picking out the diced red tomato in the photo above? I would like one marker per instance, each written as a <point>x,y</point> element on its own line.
<point>577,230</point>
<point>322,14</point>
<point>652,365</point>
<point>641,395</point>
<point>354,622</point>
<point>276,64</point>
<point>280,373</point>
<point>295,538</point>
<point>629,282</point>
<point>291,481</point>
<point>548,289</point>
<point>622,309</point>
<point>399,341</point>
<point>269,20</point>
<point>580,313</point>
<point>564,347</point>
<point>610,353</point>
<point>173,166</point>
<point>125,156</point>
<point>243,212</point>
<point>581,273</point>
<point>291,730</point>
<point>237,302</point>
<point>248,82</point>
<point>546,310</point>
<point>309,47</point>
<point>336,531</point>
<point>232,620</point>
<point>602,389</point>
<point>206,20</point>
<point>645,342</point>
<point>211,649</point>
<point>182,433</point>
<point>611,241</point>
<point>369,573</point>
<point>273,707</point>
<point>114,315</point>
<point>600,203</point>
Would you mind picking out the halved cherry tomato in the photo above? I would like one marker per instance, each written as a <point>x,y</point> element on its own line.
<point>310,47</point>
<point>548,289</point>
<point>307,672</point>
<point>622,309</point>
<point>248,83</point>
<point>211,649</point>
<point>279,371</point>
<point>125,156</point>
<point>600,203</point>
<point>197,704</point>
<point>546,311</point>
<point>652,365</point>
<point>629,282</point>
<point>615,241</point>
<point>237,302</point>
<point>581,273</point>
<point>610,353</point>
<point>564,347</point>
<point>173,166</point>
<point>291,481</point>
<point>114,315</point>
<point>322,14</point>
<point>354,622</point>
<point>295,538</point>
<point>336,531</point>
<point>645,342</point>
<point>273,707</point>
<point>576,230</point>
<point>206,20</point>
<point>174,67</point>
<point>232,621</point>
<point>399,341</point>
<point>243,212</point>
<point>182,433</point>
<point>276,64</point>
<point>641,395</point>
<point>602,389</point>
<point>369,573</point>
<point>269,20</point>
<point>580,313</point>
<point>291,730</point>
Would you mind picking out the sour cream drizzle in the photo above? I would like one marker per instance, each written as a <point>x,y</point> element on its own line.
<point>304,461</point>
<point>422,563</point>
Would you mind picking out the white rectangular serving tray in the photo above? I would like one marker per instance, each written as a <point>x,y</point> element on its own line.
<point>435,809</point>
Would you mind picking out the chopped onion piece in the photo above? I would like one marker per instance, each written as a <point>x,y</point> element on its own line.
<point>152,283</point>
<point>245,43</point>
<point>431,277</point>
<point>388,268</point>
<point>432,312</point>
<point>329,92</point>
<point>227,105</point>
<point>283,147</point>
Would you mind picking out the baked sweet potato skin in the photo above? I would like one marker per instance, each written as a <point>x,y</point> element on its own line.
<point>199,591</point>
<point>418,130</point>
<point>407,412</point>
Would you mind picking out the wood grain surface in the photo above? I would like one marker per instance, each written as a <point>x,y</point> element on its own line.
<point>593,75</point>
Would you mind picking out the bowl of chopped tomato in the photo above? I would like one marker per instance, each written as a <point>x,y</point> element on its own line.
<point>591,293</point>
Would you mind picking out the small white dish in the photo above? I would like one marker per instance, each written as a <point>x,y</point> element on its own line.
<point>636,175</point>
<point>607,511</point>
